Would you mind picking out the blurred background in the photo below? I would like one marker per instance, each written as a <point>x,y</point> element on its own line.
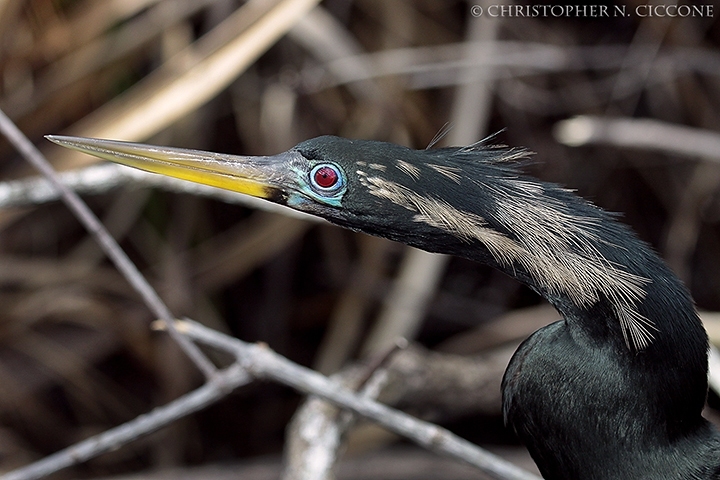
<point>256,77</point>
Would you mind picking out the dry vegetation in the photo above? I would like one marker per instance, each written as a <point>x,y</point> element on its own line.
<point>76,354</point>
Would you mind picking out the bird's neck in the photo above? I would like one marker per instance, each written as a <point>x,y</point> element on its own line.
<point>612,289</point>
<point>616,296</point>
<point>600,277</point>
<point>625,373</point>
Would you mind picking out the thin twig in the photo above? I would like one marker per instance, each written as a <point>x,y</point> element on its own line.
<point>261,362</point>
<point>380,361</point>
<point>104,239</point>
<point>222,384</point>
<point>669,138</point>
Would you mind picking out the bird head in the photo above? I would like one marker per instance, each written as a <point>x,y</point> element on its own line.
<point>377,187</point>
<point>466,201</point>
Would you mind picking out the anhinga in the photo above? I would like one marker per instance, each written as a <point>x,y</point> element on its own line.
<point>615,390</point>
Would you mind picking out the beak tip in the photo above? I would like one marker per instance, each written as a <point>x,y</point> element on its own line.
<point>59,139</point>
<point>76,143</point>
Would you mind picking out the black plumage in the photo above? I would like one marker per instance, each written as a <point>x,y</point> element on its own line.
<point>615,389</point>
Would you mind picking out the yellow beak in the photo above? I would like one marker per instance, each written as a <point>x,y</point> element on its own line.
<point>260,176</point>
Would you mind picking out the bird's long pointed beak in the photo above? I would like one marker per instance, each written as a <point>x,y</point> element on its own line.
<point>260,176</point>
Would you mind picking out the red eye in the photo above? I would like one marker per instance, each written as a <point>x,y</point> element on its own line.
<point>326,177</point>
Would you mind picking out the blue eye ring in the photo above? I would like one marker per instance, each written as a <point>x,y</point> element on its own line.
<point>327,178</point>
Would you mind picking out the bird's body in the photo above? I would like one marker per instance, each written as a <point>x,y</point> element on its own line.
<point>584,412</point>
<point>615,390</point>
